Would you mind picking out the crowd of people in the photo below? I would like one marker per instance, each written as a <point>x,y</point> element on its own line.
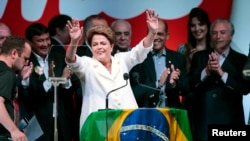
<point>202,76</point>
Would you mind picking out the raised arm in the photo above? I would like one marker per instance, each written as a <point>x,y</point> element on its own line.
<point>75,32</point>
<point>152,21</point>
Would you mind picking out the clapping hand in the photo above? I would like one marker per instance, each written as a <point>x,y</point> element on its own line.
<point>175,75</point>
<point>164,76</point>
<point>213,64</point>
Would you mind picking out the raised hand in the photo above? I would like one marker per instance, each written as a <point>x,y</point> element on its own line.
<point>75,31</point>
<point>152,20</point>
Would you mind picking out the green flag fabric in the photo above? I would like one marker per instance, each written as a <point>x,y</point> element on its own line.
<point>143,124</point>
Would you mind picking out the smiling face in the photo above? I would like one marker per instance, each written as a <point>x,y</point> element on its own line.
<point>122,31</point>
<point>101,48</point>
<point>41,44</point>
<point>221,36</point>
<point>161,37</point>
<point>199,30</point>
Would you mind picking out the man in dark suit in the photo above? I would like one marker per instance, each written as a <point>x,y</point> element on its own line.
<point>59,36</point>
<point>59,33</point>
<point>164,69</point>
<point>36,94</point>
<point>217,82</point>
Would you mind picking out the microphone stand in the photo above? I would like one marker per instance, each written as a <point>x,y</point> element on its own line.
<point>162,97</point>
<point>146,86</point>
<point>136,77</point>
<point>56,81</point>
<point>107,96</point>
<point>126,77</point>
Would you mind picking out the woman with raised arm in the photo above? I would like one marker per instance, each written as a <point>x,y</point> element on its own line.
<point>103,72</point>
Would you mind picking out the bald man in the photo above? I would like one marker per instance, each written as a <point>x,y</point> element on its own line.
<point>4,33</point>
<point>123,32</point>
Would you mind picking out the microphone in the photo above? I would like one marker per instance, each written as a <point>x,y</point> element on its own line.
<point>126,77</point>
<point>136,76</point>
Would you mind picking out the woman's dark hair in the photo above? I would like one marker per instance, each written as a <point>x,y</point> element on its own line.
<point>202,16</point>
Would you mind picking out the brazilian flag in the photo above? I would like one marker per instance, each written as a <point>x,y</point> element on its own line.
<point>143,124</point>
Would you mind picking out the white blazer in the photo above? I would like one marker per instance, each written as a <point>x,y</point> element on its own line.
<point>97,81</point>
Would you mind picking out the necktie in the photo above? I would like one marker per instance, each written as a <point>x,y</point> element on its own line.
<point>162,100</point>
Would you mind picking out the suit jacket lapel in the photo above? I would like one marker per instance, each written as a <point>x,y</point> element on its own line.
<point>34,60</point>
<point>169,58</point>
<point>227,66</point>
<point>149,66</point>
